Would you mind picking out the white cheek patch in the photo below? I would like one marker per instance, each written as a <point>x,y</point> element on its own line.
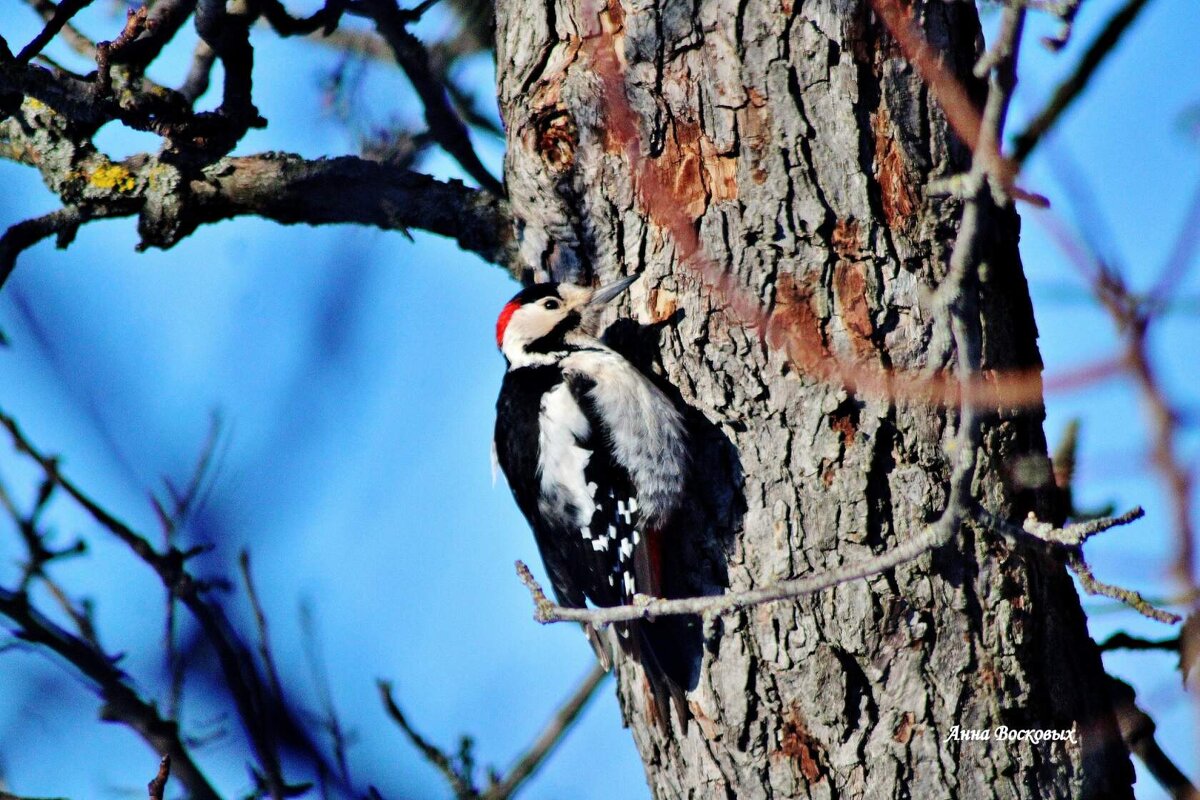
<point>561,461</point>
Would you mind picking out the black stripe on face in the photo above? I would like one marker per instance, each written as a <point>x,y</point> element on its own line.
<point>536,292</point>
<point>556,340</point>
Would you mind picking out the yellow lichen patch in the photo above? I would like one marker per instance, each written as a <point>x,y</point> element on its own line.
<point>112,176</point>
<point>33,104</point>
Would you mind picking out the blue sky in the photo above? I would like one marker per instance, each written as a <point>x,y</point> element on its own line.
<point>356,372</point>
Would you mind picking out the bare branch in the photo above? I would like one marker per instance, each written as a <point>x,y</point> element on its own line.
<point>281,187</point>
<point>20,237</point>
<point>158,785</point>
<point>550,736</point>
<point>1072,535</point>
<point>62,15</point>
<point>444,123</point>
<point>78,42</point>
<point>650,607</point>
<point>1074,85</point>
<point>1123,641</point>
<point>324,19</point>
<point>1069,539</point>
<point>121,703</point>
<point>1129,597</point>
<point>267,720</point>
<point>1137,731</point>
<point>289,189</point>
<point>461,783</point>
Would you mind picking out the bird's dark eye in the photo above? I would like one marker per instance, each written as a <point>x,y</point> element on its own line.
<point>551,304</point>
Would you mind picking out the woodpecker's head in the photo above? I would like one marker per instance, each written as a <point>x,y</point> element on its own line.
<point>543,318</point>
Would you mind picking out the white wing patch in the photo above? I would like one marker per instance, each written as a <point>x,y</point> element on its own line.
<point>565,495</point>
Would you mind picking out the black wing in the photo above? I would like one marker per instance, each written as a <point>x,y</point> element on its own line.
<point>580,561</point>
<point>617,520</point>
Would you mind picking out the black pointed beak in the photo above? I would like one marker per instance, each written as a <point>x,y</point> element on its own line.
<point>606,293</point>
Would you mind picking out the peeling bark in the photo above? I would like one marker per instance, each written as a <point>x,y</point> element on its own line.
<point>798,142</point>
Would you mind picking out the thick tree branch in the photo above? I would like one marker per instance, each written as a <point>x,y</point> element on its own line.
<point>277,186</point>
<point>289,189</point>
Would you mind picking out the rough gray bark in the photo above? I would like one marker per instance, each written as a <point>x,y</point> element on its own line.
<point>801,142</point>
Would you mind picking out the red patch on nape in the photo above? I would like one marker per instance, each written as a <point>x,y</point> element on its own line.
<point>502,322</point>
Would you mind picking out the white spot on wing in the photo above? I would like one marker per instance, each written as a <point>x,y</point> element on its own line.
<point>600,544</point>
<point>626,548</point>
<point>628,580</point>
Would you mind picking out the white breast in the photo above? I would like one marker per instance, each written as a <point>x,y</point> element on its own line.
<point>565,495</point>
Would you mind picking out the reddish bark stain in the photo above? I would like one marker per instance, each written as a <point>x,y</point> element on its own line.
<point>843,422</point>
<point>850,285</point>
<point>795,327</point>
<point>663,304</point>
<point>899,200</point>
<point>904,728</point>
<point>800,746</point>
<point>850,282</point>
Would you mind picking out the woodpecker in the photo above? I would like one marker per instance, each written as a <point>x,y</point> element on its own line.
<point>597,459</point>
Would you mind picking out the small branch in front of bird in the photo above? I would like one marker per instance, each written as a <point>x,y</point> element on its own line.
<point>645,607</point>
<point>933,536</point>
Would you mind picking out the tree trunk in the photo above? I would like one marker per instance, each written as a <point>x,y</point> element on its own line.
<point>798,142</point>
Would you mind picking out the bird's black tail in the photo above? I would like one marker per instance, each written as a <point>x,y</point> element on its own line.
<point>669,651</point>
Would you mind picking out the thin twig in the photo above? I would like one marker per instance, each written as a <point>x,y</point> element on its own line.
<point>550,736</point>
<point>444,122</point>
<point>462,785</point>
<point>1137,731</point>
<point>1072,535</point>
<point>158,784</point>
<point>1123,641</point>
<point>20,237</point>
<point>121,703</point>
<point>646,607</point>
<point>1129,597</point>
<point>62,15</point>
<point>1074,85</point>
<point>265,720</point>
